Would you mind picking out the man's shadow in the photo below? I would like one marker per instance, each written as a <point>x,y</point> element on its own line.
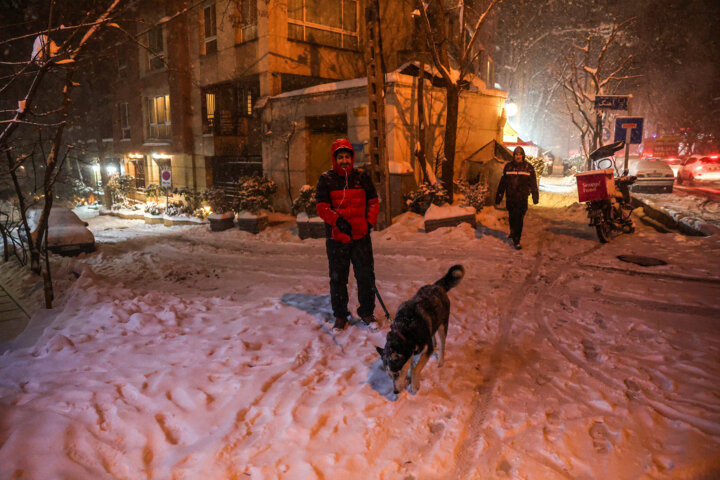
<point>319,306</point>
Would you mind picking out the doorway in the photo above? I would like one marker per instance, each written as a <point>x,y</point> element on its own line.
<point>322,132</point>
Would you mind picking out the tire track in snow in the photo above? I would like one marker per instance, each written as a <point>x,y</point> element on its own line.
<point>639,394</point>
<point>468,448</point>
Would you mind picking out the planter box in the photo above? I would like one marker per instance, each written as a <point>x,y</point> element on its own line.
<point>171,222</point>
<point>252,224</point>
<point>221,222</point>
<point>434,224</point>
<point>154,220</point>
<point>311,229</point>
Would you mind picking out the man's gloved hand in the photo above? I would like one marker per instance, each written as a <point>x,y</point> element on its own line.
<point>370,227</point>
<point>344,226</point>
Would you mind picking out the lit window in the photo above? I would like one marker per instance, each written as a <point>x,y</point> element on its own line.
<point>209,111</point>
<point>325,22</point>
<point>247,107</point>
<point>159,116</point>
<point>209,20</point>
<point>124,121</point>
<point>156,47</point>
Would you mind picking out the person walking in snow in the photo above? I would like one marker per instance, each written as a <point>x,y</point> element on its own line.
<point>348,204</point>
<point>517,182</point>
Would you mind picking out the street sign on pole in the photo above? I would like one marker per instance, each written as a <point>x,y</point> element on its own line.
<point>631,125</point>
<point>612,102</point>
<point>165,177</point>
<point>629,129</point>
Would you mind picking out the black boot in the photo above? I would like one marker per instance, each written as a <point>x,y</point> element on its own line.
<point>340,323</point>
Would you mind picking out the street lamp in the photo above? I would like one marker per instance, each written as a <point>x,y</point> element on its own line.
<point>511,109</point>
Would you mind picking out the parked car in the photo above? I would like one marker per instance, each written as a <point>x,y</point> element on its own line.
<point>67,234</point>
<point>698,168</point>
<point>674,163</point>
<point>652,175</point>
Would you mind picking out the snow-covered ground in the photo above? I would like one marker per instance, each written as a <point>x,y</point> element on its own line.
<point>176,352</point>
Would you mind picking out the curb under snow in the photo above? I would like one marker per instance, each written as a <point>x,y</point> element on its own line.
<point>686,224</point>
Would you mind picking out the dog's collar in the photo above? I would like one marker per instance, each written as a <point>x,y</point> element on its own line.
<point>397,332</point>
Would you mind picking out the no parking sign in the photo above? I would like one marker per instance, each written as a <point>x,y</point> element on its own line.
<point>165,177</point>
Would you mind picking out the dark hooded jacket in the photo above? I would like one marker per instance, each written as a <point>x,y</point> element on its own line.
<point>349,194</point>
<point>517,182</point>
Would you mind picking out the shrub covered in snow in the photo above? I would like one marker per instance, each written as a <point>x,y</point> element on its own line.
<point>153,192</point>
<point>538,164</point>
<point>120,187</point>
<point>418,201</point>
<point>254,194</point>
<point>192,202</point>
<point>306,202</point>
<point>153,208</point>
<point>174,209</point>
<point>575,163</point>
<point>475,193</point>
<point>217,199</point>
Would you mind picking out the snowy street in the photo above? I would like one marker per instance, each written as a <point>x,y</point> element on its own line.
<point>176,352</point>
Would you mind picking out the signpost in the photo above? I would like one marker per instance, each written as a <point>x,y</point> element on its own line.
<point>629,129</point>
<point>612,102</point>
<point>166,181</point>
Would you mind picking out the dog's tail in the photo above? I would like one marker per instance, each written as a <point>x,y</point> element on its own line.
<point>452,277</point>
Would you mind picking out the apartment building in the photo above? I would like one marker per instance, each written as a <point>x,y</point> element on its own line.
<point>193,91</point>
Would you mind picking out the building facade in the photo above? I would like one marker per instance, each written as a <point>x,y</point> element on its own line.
<point>193,90</point>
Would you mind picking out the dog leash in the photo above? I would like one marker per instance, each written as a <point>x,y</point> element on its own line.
<point>377,294</point>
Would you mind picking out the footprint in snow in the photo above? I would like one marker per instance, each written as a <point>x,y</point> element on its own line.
<point>600,437</point>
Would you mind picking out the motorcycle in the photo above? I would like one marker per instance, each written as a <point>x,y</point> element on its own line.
<point>607,197</point>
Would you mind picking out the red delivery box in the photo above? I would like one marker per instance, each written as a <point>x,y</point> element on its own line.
<point>595,185</point>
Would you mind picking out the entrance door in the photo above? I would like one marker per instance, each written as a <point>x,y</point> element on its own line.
<point>323,131</point>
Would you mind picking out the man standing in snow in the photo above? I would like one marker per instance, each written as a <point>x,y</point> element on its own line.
<point>519,181</point>
<point>348,204</point>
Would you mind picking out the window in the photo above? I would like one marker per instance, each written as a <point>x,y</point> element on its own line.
<point>159,116</point>
<point>245,102</point>
<point>245,21</point>
<point>124,121</point>
<point>209,22</point>
<point>156,47</point>
<point>325,22</point>
<point>138,165</point>
<point>490,73</point>
<point>209,115</point>
<point>224,107</point>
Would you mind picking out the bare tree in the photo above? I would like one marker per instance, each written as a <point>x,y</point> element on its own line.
<point>43,85</point>
<point>439,39</point>
<point>598,66</point>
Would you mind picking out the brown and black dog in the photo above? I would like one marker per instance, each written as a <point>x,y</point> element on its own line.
<point>414,328</point>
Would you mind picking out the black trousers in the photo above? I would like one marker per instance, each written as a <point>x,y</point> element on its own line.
<point>340,255</point>
<point>516,211</point>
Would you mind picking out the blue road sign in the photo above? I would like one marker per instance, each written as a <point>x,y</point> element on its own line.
<point>611,102</point>
<point>634,124</point>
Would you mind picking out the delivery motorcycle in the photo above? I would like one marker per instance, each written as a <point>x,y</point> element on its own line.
<point>607,197</point>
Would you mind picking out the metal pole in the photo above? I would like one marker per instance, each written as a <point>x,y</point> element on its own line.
<point>627,149</point>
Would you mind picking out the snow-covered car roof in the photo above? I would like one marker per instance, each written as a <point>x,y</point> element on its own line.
<point>65,229</point>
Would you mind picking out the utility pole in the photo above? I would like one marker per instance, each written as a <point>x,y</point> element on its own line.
<point>376,109</point>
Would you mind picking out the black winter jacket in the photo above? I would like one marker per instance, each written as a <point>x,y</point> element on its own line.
<point>518,181</point>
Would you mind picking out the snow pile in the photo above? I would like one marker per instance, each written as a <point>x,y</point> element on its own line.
<point>436,212</point>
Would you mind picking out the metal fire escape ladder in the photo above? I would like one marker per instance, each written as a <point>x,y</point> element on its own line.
<point>376,109</point>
